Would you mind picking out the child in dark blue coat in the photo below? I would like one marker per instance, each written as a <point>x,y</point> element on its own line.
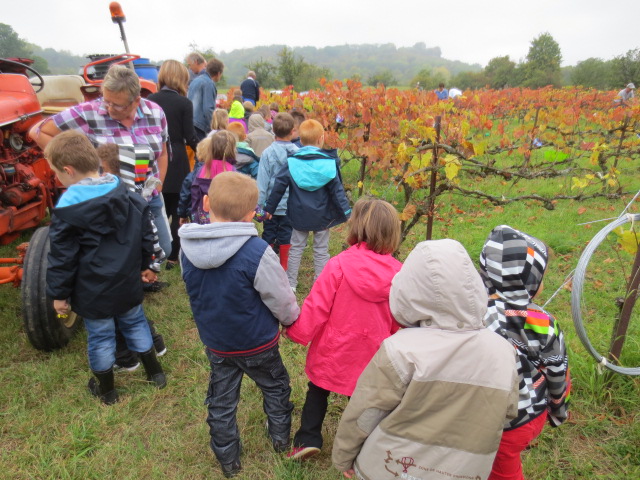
<point>316,201</point>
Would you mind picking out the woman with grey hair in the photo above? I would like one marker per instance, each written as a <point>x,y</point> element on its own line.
<point>139,128</point>
<point>122,117</point>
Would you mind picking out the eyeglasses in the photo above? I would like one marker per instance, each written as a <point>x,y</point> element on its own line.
<point>115,106</point>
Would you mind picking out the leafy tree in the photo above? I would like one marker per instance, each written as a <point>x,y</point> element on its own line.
<point>423,78</point>
<point>592,72</point>
<point>542,67</point>
<point>294,70</point>
<point>384,77</point>
<point>626,68</point>
<point>290,66</point>
<point>11,45</point>
<point>266,73</point>
<point>469,80</point>
<point>310,77</point>
<point>501,72</point>
<point>40,65</point>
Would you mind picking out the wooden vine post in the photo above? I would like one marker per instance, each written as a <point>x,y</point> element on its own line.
<point>434,178</point>
<point>622,323</point>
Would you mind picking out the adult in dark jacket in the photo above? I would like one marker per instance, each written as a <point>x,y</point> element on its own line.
<point>250,88</point>
<point>178,109</point>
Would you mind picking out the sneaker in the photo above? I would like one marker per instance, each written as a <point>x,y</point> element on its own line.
<point>126,368</point>
<point>302,453</point>
<point>231,469</point>
<point>161,352</point>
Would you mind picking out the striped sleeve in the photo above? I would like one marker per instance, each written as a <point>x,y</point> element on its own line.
<point>554,364</point>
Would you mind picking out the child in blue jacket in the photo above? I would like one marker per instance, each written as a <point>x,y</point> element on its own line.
<point>316,200</point>
<point>246,298</point>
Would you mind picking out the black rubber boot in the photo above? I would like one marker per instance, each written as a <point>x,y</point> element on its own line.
<point>101,386</point>
<point>152,366</point>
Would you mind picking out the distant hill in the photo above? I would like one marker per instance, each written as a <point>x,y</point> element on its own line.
<point>60,61</point>
<point>346,61</point>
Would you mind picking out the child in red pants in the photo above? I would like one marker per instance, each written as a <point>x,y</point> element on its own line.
<point>512,265</point>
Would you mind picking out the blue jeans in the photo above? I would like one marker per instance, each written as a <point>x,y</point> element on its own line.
<point>277,231</point>
<point>162,223</point>
<point>101,337</point>
<point>270,374</point>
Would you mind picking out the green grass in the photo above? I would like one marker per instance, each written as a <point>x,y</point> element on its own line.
<point>51,428</point>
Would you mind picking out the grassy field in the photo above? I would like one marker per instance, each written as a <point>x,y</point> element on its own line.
<point>51,428</point>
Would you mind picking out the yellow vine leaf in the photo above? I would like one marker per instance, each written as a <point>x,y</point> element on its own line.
<point>402,152</point>
<point>451,166</point>
<point>479,148</point>
<point>628,240</point>
<point>579,183</point>
<point>416,162</point>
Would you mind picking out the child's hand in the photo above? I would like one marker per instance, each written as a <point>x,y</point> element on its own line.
<point>61,307</point>
<point>349,473</point>
<point>283,332</point>
<point>260,215</point>
<point>149,276</point>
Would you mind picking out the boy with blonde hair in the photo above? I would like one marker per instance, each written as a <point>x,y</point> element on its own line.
<point>101,248</point>
<point>316,200</point>
<point>238,318</point>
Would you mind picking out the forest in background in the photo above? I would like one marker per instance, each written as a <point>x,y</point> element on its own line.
<point>373,64</point>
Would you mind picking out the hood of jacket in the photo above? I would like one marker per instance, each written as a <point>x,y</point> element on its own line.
<point>99,205</point>
<point>236,110</point>
<point>369,278</point>
<point>255,121</point>
<point>512,265</point>
<point>211,245</point>
<point>312,169</point>
<point>439,287</point>
<point>288,147</point>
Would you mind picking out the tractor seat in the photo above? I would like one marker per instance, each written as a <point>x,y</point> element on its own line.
<point>60,92</point>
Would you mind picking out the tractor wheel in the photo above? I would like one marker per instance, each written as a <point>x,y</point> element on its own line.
<point>45,330</point>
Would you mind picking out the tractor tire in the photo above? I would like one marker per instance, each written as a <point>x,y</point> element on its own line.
<point>45,330</point>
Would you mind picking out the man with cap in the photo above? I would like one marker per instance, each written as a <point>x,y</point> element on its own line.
<point>625,95</point>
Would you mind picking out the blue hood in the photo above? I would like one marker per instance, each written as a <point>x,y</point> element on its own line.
<point>312,169</point>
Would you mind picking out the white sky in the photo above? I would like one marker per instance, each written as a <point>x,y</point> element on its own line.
<point>468,30</point>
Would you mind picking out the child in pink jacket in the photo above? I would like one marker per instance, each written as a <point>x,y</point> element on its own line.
<point>346,315</point>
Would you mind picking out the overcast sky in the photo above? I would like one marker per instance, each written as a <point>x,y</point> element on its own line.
<point>468,30</point>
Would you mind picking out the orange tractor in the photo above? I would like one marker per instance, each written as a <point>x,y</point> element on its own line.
<point>28,187</point>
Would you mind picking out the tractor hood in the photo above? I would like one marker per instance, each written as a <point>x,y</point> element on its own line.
<point>18,102</point>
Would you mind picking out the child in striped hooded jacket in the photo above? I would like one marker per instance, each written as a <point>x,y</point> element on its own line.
<point>512,265</point>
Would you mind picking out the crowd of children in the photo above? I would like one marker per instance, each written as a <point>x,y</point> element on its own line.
<point>450,373</point>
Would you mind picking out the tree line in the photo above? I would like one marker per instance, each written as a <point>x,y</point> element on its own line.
<point>277,66</point>
<point>542,67</point>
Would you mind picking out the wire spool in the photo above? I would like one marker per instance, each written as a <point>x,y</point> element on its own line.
<point>576,294</point>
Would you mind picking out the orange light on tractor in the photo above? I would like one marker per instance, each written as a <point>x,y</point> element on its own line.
<point>117,15</point>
